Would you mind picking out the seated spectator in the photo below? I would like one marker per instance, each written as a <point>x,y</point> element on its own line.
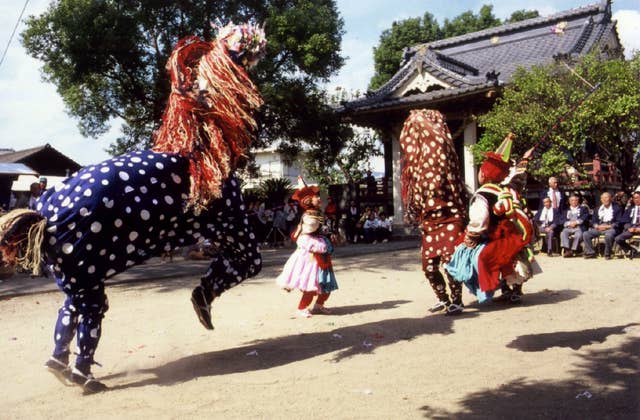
<point>370,228</point>
<point>574,221</point>
<point>359,234</point>
<point>606,220</point>
<point>548,219</point>
<point>631,220</point>
<point>554,194</point>
<point>353,216</point>
<point>383,232</point>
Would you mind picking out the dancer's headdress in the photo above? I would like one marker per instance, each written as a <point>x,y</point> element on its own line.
<point>496,165</point>
<point>304,193</point>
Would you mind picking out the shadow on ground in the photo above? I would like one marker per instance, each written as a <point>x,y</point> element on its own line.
<point>357,340</point>
<point>605,386</point>
<point>365,264</point>
<point>571,339</point>
<point>543,297</point>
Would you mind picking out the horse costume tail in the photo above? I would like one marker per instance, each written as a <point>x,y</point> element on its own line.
<point>21,236</point>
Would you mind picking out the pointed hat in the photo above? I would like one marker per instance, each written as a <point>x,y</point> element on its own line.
<point>496,165</point>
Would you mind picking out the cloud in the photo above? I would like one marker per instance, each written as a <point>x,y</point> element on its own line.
<point>31,111</point>
<point>628,30</point>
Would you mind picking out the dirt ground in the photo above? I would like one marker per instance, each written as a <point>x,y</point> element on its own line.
<point>570,350</point>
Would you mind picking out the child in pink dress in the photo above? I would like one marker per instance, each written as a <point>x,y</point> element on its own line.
<point>309,268</point>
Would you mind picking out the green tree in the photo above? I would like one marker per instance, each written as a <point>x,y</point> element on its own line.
<point>522,14</point>
<point>387,56</point>
<point>468,22</point>
<point>107,58</point>
<point>351,161</point>
<point>406,33</point>
<point>274,191</point>
<point>607,122</point>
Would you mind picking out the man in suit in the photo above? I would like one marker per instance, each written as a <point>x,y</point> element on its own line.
<point>548,219</point>
<point>631,220</point>
<point>554,194</point>
<point>606,220</point>
<point>574,221</point>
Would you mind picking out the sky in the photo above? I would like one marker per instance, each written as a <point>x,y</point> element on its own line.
<point>32,113</point>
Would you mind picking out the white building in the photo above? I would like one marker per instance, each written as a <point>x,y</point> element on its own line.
<point>271,164</point>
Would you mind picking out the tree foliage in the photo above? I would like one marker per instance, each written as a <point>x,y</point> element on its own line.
<point>522,14</point>
<point>349,164</point>
<point>606,123</point>
<point>410,32</point>
<point>107,59</point>
<point>469,22</point>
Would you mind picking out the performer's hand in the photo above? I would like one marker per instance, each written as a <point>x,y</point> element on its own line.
<point>470,242</point>
<point>527,155</point>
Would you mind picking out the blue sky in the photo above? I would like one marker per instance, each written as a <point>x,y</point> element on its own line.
<point>32,113</point>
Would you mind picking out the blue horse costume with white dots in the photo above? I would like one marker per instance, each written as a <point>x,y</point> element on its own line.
<point>113,215</point>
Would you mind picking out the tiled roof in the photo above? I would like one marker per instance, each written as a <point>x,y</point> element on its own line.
<point>43,159</point>
<point>15,169</point>
<point>12,157</point>
<point>480,59</point>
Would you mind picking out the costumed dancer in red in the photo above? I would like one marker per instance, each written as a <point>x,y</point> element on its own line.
<point>494,249</point>
<point>309,268</point>
<point>435,199</point>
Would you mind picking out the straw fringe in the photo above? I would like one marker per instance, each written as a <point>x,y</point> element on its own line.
<point>21,236</point>
<point>32,258</point>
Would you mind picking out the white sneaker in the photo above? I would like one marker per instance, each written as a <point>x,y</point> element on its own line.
<point>303,313</point>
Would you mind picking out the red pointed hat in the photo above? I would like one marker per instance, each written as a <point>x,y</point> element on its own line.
<point>496,165</point>
<point>304,193</point>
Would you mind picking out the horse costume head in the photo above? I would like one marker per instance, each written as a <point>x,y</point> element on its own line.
<point>430,175</point>
<point>209,115</point>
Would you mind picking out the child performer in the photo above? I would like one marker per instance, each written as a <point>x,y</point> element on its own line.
<point>309,268</point>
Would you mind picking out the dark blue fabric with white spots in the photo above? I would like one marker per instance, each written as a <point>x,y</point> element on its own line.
<point>115,214</point>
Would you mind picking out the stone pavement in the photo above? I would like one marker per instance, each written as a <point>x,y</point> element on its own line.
<point>154,268</point>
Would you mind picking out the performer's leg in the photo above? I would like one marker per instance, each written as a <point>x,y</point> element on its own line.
<point>92,309</point>
<point>65,330</point>
<point>319,305</point>
<point>456,307</point>
<point>306,299</point>
<point>322,298</point>
<point>456,289</point>
<point>238,256</point>
<point>436,280</point>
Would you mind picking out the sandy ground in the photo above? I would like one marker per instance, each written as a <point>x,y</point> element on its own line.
<point>571,350</point>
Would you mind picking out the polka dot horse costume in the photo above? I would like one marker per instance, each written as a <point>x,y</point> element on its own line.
<point>434,198</point>
<point>116,214</point>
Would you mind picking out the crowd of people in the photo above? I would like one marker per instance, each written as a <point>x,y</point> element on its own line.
<point>274,223</point>
<point>614,221</point>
